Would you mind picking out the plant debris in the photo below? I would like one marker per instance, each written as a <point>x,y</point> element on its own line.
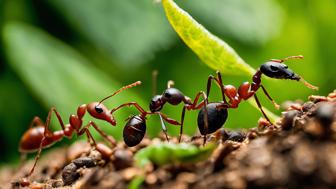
<point>298,152</point>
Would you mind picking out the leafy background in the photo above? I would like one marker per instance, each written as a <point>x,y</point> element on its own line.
<point>64,53</point>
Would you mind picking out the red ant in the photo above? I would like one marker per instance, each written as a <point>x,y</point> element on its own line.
<point>217,112</point>
<point>39,136</point>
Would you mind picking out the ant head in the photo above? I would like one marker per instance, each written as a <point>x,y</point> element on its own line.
<point>99,111</point>
<point>278,70</point>
<point>156,103</point>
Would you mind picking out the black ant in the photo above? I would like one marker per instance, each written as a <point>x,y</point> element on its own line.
<point>135,128</point>
<point>174,96</point>
<point>39,136</point>
<point>217,112</point>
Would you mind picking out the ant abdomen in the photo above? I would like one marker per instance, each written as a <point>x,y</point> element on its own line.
<point>32,138</point>
<point>134,131</point>
<point>216,118</point>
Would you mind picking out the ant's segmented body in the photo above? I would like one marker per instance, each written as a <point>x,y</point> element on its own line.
<point>39,136</point>
<point>174,96</point>
<point>217,112</point>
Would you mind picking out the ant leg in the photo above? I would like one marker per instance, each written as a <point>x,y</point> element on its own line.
<point>89,138</point>
<point>35,122</point>
<point>47,134</point>
<point>219,82</point>
<point>205,116</point>
<point>105,151</point>
<point>164,128</point>
<point>277,106</point>
<point>107,137</point>
<point>25,181</point>
<point>103,134</point>
<point>182,121</point>
<point>194,106</point>
<point>223,106</point>
<point>37,157</point>
<point>154,86</point>
<point>53,109</point>
<point>136,105</point>
<point>210,78</point>
<point>88,135</point>
<point>154,89</point>
<point>166,118</point>
<point>260,107</point>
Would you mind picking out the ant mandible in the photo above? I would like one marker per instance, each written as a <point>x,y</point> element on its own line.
<point>39,136</point>
<point>217,112</point>
<point>174,96</point>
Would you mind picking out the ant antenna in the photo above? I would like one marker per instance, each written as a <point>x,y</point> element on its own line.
<point>170,84</point>
<point>155,73</point>
<point>121,89</point>
<point>308,84</point>
<point>288,58</point>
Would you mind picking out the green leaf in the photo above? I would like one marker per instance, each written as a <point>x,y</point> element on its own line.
<point>129,31</point>
<point>210,49</point>
<point>57,74</point>
<point>168,153</point>
<point>239,19</point>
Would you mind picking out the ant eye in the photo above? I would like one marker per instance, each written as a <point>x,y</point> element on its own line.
<point>98,109</point>
<point>285,66</point>
<point>274,68</point>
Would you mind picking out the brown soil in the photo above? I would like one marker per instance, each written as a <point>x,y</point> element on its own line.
<point>299,152</point>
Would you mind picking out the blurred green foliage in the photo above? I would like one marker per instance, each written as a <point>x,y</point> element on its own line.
<point>64,53</point>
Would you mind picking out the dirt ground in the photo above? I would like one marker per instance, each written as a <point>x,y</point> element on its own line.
<point>299,151</point>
